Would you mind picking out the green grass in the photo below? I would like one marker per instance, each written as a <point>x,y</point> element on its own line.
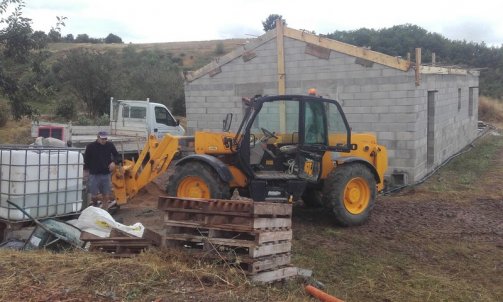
<point>462,172</point>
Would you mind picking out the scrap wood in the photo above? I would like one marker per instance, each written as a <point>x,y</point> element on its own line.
<point>321,295</point>
<point>119,235</point>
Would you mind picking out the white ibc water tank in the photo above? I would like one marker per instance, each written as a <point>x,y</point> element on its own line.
<point>45,182</point>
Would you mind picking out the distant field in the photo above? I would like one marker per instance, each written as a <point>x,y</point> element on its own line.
<point>192,53</point>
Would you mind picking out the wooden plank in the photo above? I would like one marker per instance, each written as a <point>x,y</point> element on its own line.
<point>236,53</point>
<point>270,249</point>
<point>197,211</point>
<point>274,275</point>
<point>264,237</point>
<point>215,241</point>
<point>271,223</point>
<point>272,208</point>
<point>269,263</point>
<point>442,70</point>
<point>223,227</point>
<point>367,54</point>
<point>418,66</point>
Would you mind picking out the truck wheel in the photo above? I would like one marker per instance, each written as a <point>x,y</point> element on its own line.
<point>312,198</point>
<point>350,190</point>
<point>197,180</point>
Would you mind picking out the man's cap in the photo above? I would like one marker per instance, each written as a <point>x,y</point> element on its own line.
<point>103,134</point>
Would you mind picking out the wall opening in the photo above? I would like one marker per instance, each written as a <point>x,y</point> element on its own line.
<point>470,101</point>
<point>459,99</point>
<point>430,128</point>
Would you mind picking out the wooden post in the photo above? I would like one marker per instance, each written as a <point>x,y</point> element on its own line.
<point>418,66</point>
<point>281,73</point>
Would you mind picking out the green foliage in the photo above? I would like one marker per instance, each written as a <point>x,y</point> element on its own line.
<point>83,120</point>
<point>82,38</point>
<point>102,120</point>
<point>54,36</point>
<point>270,22</point>
<point>150,73</point>
<point>111,38</point>
<point>66,109</point>
<point>4,114</point>
<point>89,75</point>
<point>401,40</point>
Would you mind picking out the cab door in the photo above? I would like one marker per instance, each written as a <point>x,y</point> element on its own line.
<point>313,139</point>
<point>324,129</point>
<point>165,122</point>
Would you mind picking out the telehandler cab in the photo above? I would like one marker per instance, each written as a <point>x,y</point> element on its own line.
<point>287,147</point>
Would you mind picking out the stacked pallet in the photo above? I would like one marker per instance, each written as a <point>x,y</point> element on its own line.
<point>121,244</point>
<point>254,235</point>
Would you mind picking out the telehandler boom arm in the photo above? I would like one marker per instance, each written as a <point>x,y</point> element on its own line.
<point>154,160</point>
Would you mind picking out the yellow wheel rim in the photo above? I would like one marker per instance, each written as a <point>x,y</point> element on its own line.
<point>193,186</point>
<point>356,195</point>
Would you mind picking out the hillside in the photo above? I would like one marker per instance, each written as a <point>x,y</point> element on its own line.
<point>194,54</point>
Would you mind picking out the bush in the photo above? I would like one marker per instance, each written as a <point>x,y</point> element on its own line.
<point>4,114</point>
<point>102,120</point>
<point>66,109</point>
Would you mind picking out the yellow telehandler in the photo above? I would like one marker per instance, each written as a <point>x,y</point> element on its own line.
<point>287,147</point>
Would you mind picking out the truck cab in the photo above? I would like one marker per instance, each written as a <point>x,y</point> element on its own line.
<point>128,116</point>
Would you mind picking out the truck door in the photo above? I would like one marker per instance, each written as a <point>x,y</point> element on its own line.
<point>165,122</point>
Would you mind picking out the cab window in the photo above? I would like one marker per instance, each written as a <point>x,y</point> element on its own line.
<point>162,116</point>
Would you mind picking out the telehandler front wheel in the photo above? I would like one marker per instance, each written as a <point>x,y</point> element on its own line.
<point>197,180</point>
<point>350,190</point>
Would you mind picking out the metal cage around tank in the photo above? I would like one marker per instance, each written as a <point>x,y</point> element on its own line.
<point>44,181</point>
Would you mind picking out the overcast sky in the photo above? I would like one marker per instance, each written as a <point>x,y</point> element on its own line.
<point>148,21</point>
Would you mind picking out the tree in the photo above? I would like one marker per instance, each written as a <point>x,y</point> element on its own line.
<point>111,38</point>
<point>89,75</point>
<point>16,43</point>
<point>68,38</point>
<point>54,36</point>
<point>270,22</point>
<point>82,38</point>
<point>151,73</point>
<point>40,39</point>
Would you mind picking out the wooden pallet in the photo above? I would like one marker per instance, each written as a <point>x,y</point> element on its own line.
<point>235,215</point>
<point>121,244</point>
<point>255,236</point>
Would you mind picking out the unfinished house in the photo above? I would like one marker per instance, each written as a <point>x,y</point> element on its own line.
<point>422,114</point>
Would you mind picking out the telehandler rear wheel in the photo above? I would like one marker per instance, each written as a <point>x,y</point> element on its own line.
<point>197,180</point>
<point>350,189</point>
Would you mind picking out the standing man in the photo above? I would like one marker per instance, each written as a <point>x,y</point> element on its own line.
<point>100,158</point>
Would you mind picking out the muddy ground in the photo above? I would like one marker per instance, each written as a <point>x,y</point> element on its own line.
<point>419,244</point>
<point>431,242</point>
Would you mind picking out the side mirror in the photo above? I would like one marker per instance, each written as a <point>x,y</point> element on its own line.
<point>177,122</point>
<point>227,122</point>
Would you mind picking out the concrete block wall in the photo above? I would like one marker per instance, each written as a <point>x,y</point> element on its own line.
<point>454,127</point>
<point>208,99</point>
<point>375,98</point>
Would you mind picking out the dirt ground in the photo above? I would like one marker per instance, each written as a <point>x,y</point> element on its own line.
<point>419,245</point>
<point>457,236</point>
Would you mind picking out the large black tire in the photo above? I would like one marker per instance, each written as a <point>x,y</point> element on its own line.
<point>350,190</point>
<point>199,180</point>
<point>312,198</point>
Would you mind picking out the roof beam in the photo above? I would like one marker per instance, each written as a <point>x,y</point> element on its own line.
<point>359,52</point>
